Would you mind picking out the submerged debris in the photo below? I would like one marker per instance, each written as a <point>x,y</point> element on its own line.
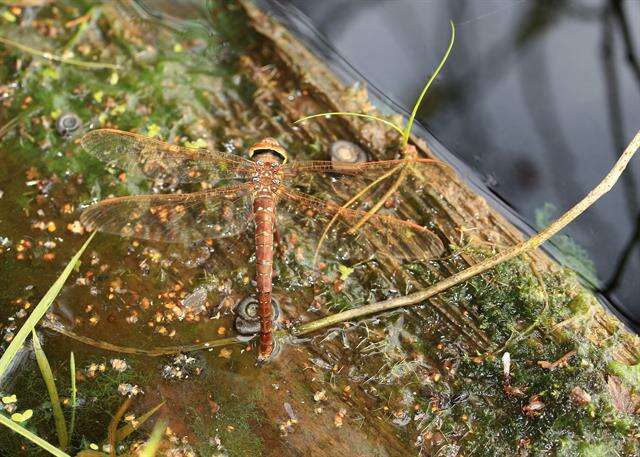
<point>129,390</point>
<point>118,365</point>
<point>534,407</point>
<point>182,367</point>
<point>579,396</point>
<point>561,362</point>
<point>195,302</point>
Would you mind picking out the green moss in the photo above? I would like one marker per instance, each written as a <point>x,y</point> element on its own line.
<point>628,373</point>
<point>234,425</point>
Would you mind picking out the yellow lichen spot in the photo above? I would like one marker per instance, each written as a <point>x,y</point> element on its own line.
<point>9,399</point>
<point>154,130</point>
<point>51,227</point>
<point>51,73</point>
<point>119,109</point>
<point>55,114</point>
<point>199,143</point>
<point>345,272</point>
<point>177,47</point>
<point>113,79</point>
<point>22,417</point>
<point>94,446</point>
<point>8,16</point>
<point>97,96</point>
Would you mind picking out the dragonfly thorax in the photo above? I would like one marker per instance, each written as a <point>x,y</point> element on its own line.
<point>268,173</point>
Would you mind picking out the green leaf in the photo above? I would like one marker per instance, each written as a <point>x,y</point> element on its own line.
<point>128,429</point>
<point>152,445</point>
<point>74,394</point>
<point>154,130</point>
<point>49,381</point>
<point>630,374</point>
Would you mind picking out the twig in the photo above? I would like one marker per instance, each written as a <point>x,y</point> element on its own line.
<point>528,245</point>
<point>57,58</point>
<point>155,352</point>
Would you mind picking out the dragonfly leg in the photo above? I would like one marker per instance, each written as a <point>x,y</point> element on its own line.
<point>278,242</point>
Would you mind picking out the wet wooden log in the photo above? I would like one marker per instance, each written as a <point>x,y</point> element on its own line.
<point>281,66</point>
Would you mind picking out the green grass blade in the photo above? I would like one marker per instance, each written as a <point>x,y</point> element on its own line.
<point>47,375</point>
<point>152,445</point>
<point>409,125</point>
<point>35,439</point>
<point>345,113</point>
<point>128,429</point>
<point>39,311</point>
<point>74,394</point>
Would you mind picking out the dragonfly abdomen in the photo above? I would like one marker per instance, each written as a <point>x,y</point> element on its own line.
<point>264,215</point>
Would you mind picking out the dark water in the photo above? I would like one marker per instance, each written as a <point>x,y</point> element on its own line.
<point>539,98</point>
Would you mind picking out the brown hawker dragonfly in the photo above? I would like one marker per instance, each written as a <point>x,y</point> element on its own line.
<point>262,192</point>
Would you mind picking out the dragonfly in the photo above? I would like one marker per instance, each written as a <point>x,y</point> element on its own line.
<point>228,194</point>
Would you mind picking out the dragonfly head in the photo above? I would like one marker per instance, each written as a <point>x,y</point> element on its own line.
<point>268,148</point>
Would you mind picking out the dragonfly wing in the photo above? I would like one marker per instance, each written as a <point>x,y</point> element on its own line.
<point>367,170</point>
<point>392,182</point>
<point>381,234</point>
<point>163,161</point>
<point>176,218</point>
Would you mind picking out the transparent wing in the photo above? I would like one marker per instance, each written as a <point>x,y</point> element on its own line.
<point>163,161</point>
<point>369,170</point>
<point>368,185</point>
<point>381,234</point>
<point>176,218</point>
